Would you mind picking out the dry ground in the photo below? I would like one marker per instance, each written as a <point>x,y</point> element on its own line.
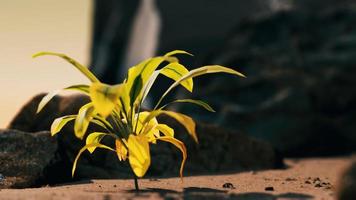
<point>304,179</point>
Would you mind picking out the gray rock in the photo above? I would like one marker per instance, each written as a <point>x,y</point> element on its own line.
<point>219,150</point>
<point>24,157</point>
<point>346,189</point>
<point>300,89</point>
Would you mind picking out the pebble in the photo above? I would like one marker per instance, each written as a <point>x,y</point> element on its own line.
<point>228,185</point>
<point>269,188</point>
<point>2,177</point>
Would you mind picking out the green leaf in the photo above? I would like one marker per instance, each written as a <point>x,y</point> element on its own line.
<point>101,121</point>
<point>135,89</point>
<point>85,115</point>
<point>94,138</point>
<point>76,64</point>
<point>176,71</point>
<point>85,148</point>
<point>144,70</point>
<point>197,102</point>
<point>60,122</point>
<point>146,89</point>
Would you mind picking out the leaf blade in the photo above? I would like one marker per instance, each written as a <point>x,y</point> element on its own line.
<point>60,122</point>
<point>84,70</point>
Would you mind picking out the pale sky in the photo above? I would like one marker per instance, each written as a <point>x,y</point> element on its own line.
<point>29,26</point>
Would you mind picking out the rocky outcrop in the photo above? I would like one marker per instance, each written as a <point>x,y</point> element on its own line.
<point>24,157</point>
<point>346,189</point>
<point>219,150</point>
<point>300,89</point>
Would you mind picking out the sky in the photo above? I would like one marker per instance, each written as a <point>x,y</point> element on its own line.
<point>30,26</point>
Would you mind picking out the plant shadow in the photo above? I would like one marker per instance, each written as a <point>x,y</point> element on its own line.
<point>196,193</point>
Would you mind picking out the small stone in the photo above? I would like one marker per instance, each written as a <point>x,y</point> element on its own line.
<point>270,188</point>
<point>2,177</point>
<point>228,185</point>
<point>115,186</point>
<point>307,182</point>
<point>291,179</point>
<point>318,185</point>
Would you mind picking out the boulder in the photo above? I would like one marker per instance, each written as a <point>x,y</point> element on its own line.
<point>219,150</point>
<point>346,189</point>
<point>24,157</point>
<point>300,89</point>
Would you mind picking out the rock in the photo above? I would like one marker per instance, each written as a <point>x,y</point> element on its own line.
<point>299,92</point>
<point>269,188</point>
<point>219,150</point>
<point>228,185</point>
<point>24,157</point>
<point>346,187</point>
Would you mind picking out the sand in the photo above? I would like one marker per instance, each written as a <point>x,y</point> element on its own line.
<point>313,178</point>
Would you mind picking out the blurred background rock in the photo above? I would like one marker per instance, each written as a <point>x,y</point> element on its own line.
<point>298,55</point>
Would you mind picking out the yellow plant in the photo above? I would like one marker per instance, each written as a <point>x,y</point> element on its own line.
<point>117,108</point>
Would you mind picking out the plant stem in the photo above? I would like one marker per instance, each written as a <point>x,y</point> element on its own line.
<point>136,184</point>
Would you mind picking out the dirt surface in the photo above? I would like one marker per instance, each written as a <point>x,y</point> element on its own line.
<point>303,179</point>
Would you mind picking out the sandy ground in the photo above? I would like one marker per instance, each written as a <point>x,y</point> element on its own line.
<point>303,179</point>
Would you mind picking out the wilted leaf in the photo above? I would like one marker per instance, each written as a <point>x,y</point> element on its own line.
<point>121,150</point>
<point>180,145</point>
<point>185,120</point>
<point>85,148</point>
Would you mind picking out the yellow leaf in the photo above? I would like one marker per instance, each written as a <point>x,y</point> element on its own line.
<point>81,88</point>
<point>198,72</point>
<point>166,130</point>
<point>139,154</point>
<point>176,71</point>
<point>48,97</point>
<point>180,145</point>
<point>193,101</point>
<point>60,122</point>
<point>85,115</point>
<point>121,150</point>
<point>185,120</point>
<point>139,74</point>
<point>85,148</point>
<point>104,97</point>
<point>94,138</point>
<point>174,52</point>
<point>85,71</point>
